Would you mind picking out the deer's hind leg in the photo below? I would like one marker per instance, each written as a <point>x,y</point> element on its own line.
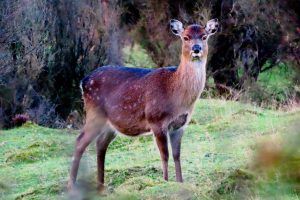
<point>94,125</point>
<point>102,143</point>
<point>161,138</point>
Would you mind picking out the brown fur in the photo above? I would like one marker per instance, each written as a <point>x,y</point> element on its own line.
<point>136,101</point>
<point>132,103</point>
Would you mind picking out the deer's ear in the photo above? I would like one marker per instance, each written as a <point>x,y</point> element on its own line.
<point>212,26</point>
<point>176,27</point>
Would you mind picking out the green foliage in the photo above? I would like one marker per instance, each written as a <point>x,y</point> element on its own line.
<point>278,82</point>
<point>136,56</point>
<point>238,182</point>
<point>274,87</point>
<point>217,150</point>
<point>210,90</point>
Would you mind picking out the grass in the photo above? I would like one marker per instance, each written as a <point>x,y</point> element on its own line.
<point>220,153</point>
<point>276,87</point>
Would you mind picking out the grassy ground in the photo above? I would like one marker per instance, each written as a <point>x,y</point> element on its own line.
<point>219,153</point>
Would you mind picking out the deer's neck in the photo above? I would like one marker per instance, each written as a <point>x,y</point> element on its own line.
<point>191,76</point>
<point>187,67</point>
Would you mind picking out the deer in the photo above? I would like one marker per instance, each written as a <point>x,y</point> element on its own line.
<point>137,101</point>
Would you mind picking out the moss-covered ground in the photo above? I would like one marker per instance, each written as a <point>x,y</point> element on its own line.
<point>219,153</point>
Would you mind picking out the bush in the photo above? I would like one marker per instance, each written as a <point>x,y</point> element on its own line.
<point>136,56</point>
<point>274,88</point>
<point>20,119</point>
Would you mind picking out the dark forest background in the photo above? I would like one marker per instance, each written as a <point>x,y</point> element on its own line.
<point>48,46</point>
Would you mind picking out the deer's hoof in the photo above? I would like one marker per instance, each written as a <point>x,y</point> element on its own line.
<point>101,188</point>
<point>70,186</point>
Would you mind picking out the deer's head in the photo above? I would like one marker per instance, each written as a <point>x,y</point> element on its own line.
<point>194,38</point>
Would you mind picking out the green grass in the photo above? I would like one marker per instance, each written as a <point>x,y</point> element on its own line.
<point>275,87</point>
<point>218,150</point>
<point>136,56</point>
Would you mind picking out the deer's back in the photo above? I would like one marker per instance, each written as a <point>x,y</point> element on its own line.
<point>129,97</point>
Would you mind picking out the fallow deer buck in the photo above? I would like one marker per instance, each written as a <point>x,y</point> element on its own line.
<point>136,101</point>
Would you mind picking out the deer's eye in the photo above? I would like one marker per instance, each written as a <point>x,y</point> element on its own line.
<point>186,38</point>
<point>204,37</point>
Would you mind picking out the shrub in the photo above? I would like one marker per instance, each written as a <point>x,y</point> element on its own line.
<point>20,119</point>
<point>274,88</point>
<point>136,56</point>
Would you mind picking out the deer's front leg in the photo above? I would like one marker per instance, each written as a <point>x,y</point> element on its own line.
<point>175,138</point>
<point>162,144</point>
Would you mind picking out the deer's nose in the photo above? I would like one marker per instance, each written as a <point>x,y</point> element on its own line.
<point>196,48</point>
